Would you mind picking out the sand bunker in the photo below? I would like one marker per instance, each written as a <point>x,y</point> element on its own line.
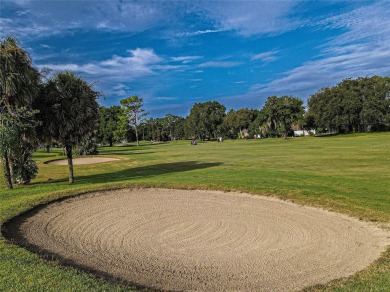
<point>201,240</point>
<point>84,160</point>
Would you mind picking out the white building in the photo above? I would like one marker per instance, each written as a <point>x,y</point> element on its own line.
<point>304,133</point>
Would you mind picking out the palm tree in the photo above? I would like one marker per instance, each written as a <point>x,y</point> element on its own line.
<point>68,111</point>
<point>19,85</point>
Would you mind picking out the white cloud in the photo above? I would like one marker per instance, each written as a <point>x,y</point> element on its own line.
<point>43,18</point>
<point>9,26</point>
<point>165,98</point>
<point>266,57</point>
<point>140,72</point>
<point>219,64</point>
<point>362,50</point>
<point>199,32</point>
<point>118,90</point>
<point>252,17</point>
<point>141,62</point>
<point>186,59</point>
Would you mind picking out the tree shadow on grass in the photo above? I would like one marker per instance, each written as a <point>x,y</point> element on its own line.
<point>122,152</point>
<point>146,171</point>
<point>138,172</point>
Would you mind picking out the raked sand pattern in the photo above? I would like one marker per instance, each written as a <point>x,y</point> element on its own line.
<point>203,240</point>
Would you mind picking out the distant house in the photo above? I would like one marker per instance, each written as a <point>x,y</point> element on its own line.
<point>244,133</point>
<point>300,133</point>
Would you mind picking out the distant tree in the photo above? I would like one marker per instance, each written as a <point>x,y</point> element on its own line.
<point>150,129</point>
<point>19,86</point>
<point>262,125</point>
<point>144,128</point>
<point>205,118</point>
<point>123,130</point>
<point>171,125</point>
<point>134,112</point>
<point>179,127</point>
<point>68,111</point>
<point>108,123</point>
<point>307,123</point>
<point>159,125</point>
<point>279,114</point>
<point>236,121</point>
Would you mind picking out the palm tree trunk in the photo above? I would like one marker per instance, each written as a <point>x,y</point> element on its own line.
<point>11,166</point>
<point>70,163</point>
<point>7,171</point>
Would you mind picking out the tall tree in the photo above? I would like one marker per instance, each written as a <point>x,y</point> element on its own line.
<point>133,110</point>
<point>123,132</point>
<point>68,111</point>
<point>19,85</point>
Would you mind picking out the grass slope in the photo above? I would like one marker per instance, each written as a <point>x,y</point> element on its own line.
<point>347,173</point>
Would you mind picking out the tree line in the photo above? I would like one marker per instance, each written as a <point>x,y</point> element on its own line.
<point>206,120</point>
<point>63,110</point>
<point>353,105</point>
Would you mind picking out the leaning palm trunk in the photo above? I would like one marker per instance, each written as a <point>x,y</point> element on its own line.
<point>70,163</point>
<point>7,171</point>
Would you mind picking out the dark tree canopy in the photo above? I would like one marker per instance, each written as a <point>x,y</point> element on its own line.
<point>68,111</point>
<point>108,123</point>
<point>353,105</point>
<point>279,114</point>
<point>237,120</point>
<point>19,86</point>
<point>205,118</point>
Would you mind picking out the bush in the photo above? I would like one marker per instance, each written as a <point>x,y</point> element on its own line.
<point>23,173</point>
<point>88,146</point>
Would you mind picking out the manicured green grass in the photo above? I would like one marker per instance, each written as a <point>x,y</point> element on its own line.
<point>347,174</point>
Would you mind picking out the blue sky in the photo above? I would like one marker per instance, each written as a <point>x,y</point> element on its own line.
<point>176,53</point>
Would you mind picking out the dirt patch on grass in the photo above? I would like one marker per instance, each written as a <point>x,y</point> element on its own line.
<point>203,240</point>
<point>83,160</point>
